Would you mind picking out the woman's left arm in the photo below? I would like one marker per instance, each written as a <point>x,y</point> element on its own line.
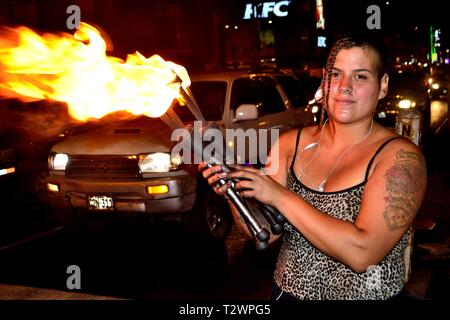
<point>391,199</point>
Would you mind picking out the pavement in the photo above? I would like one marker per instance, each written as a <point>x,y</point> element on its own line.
<point>16,292</point>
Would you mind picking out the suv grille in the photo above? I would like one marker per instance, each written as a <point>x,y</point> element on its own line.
<point>104,167</point>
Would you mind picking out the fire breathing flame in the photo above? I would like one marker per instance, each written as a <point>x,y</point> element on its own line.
<point>75,69</point>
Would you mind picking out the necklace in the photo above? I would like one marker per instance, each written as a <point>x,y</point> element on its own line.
<point>321,186</point>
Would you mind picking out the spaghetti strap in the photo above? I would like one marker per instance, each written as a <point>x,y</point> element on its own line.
<point>376,153</point>
<point>296,147</point>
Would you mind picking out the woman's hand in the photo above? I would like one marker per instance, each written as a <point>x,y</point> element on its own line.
<point>213,175</point>
<point>254,183</point>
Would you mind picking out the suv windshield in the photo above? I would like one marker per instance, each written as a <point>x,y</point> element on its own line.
<point>293,90</point>
<point>210,96</point>
<point>260,91</point>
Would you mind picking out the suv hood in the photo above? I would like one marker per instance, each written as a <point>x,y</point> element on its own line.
<point>142,135</point>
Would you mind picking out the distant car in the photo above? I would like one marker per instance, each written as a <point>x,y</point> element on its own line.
<point>8,154</point>
<point>126,166</point>
<point>7,169</point>
<point>27,132</point>
<point>8,190</point>
<point>406,90</point>
<point>438,84</point>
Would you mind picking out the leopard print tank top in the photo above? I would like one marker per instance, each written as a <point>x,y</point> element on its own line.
<point>306,273</point>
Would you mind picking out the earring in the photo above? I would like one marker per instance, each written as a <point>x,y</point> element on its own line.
<point>318,96</point>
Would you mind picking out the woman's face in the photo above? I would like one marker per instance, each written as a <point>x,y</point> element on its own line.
<point>355,88</point>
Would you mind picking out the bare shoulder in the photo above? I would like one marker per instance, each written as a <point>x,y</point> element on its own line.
<point>398,147</point>
<point>402,148</point>
<point>287,141</point>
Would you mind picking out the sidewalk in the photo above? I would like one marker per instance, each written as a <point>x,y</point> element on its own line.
<point>16,292</point>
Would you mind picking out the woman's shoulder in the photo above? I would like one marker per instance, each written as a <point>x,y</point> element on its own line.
<point>395,140</point>
<point>288,140</point>
<point>394,146</point>
<point>394,153</point>
<point>304,132</point>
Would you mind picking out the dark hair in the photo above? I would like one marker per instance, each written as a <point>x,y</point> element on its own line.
<point>360,40</point>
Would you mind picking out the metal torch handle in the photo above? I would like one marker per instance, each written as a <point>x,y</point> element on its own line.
<point>276,215</point>
<point>255,227</point>
<point>272,215</point>
<point>261,233</point>
<point>275,226</point>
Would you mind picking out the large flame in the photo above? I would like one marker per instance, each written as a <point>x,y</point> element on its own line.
<point>75,69</point>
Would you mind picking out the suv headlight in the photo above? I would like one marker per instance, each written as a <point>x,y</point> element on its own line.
<point>58,161</point>
<point>158,162</point>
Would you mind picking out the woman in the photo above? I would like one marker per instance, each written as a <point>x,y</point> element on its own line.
<point>348,188</point>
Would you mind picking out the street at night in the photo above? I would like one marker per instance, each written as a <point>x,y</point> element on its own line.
<point>134,260</point>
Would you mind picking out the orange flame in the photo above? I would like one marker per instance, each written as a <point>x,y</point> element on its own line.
<point>75,69</point>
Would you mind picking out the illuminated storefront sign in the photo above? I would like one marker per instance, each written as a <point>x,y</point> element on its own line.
<point>263,10</point>
<point>320,19</point>
<point>435,43</point>
<point>321,42</point>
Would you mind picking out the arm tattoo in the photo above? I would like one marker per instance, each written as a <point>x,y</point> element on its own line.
<point>405,184</point>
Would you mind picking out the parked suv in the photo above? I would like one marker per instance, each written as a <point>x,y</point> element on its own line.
<point>126,166</point>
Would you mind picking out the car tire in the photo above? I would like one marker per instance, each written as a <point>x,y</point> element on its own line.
<point>40,188</point>
<point>210,220</point>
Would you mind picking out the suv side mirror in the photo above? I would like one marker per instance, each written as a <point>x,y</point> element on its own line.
<point>246,112</point>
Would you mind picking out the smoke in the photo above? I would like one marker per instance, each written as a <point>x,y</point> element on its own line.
<point>41,120</point>
<point>47,120</point>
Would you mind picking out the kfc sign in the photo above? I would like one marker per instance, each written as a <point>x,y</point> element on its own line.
<point>262,10</point>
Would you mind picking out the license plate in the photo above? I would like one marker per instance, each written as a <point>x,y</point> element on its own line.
<point>100,203</point>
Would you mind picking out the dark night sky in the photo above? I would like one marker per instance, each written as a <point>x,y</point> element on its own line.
<point>191,36</point>
<point>399,16</point>
<point>404,19</point>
